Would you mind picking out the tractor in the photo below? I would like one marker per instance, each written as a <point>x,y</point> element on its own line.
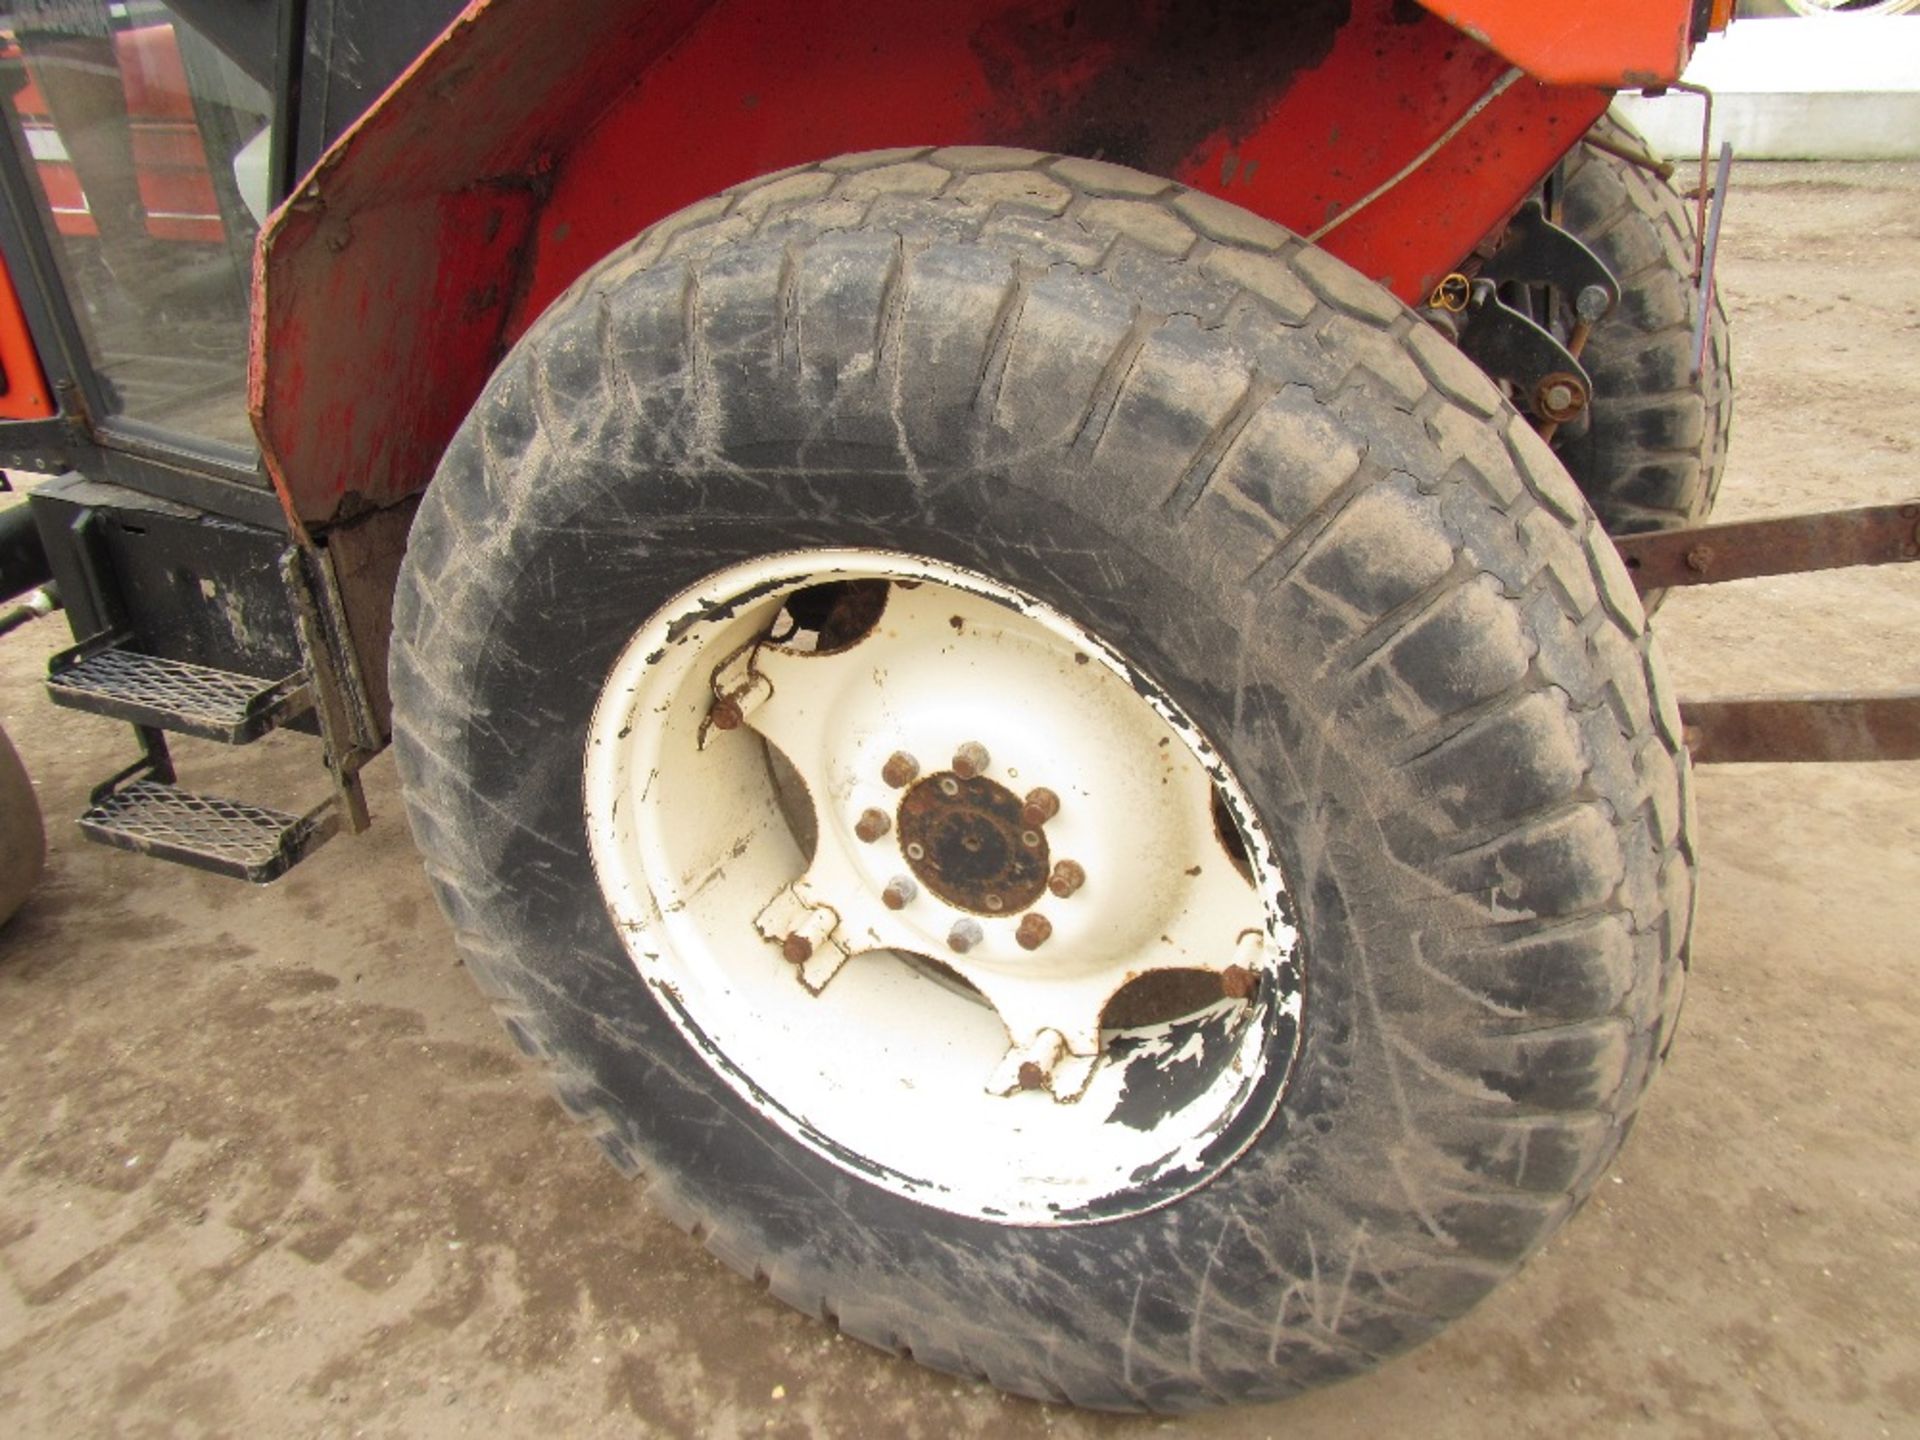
<point>1015,631</point>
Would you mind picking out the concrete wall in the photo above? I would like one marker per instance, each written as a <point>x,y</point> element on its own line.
<point>1799,88</point>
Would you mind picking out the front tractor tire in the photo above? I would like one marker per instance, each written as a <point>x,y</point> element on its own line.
<point>1342,704</point>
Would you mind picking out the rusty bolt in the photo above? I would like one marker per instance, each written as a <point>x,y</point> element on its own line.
<point>871,825</point>
<point>1034,930</point>
<point>1032,1077</point>
<point>970,760</point>
<point>1067,877</point>
<point>900,893</point>
<point>1559,397</point>
<point>900,769</point>
<point>1700,559</point>
<point>726,714</point>
<point>963,937</point>
<point>819,923</point>
<point>1041,806</point>
<point>1237,982</point>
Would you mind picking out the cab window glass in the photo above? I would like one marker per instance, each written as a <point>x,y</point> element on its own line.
<point>149,141</point>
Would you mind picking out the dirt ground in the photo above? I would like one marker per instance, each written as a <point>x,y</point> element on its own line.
<point>267,1166</point>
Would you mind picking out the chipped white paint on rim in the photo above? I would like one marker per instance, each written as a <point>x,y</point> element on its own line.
<point>885,1069</point>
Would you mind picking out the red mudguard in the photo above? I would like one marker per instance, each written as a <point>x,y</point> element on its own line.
<point>533,138</point>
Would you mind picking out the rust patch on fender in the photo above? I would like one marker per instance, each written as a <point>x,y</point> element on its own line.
<point>1145,83</point>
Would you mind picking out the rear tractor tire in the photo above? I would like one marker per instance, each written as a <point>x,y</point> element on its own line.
<point>890,603</point>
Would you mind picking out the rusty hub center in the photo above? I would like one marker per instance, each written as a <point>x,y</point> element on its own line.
<point>966,841</point>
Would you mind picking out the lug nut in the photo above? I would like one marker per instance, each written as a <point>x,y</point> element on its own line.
<point>970,760</point>
<point>1030,839</point>
<point>726,714</point>
<point>900,893</point>
<point>963,937</point>
<point>1034,930</point>
<point>812,932</point>
<point>900,769</point>
<point>949,786</point>
<point>1041,806</point>
<point>1066,878</point>
<point>916,851</point>
<point>1032,1077</point>
<point>996,904</point>
<point>871,825</point>
<point>1237,982</point>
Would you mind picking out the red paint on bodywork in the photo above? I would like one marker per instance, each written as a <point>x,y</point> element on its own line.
<point>23,385</point>
<point>1623,45</point>
<point>757,88</point>
<point>380,292</point>
<point>372,351</point>
<point>517,152</point>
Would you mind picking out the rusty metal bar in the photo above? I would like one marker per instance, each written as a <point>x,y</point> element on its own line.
<point>1803,728</point>
<point>1633,155</point>
<point>1784,545</point>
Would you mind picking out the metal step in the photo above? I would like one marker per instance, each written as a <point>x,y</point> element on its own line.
<point>172,695</point>
<point>226,837</point>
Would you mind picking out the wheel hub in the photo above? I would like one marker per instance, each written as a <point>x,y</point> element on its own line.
<point>966,841</point>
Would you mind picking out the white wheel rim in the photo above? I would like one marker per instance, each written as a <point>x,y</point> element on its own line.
<point>1013,1103</point>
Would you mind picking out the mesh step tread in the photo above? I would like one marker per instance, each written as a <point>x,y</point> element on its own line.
<point>228,837</point>
<point>174,695</point>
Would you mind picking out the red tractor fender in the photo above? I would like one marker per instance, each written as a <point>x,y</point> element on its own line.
<point>531,140</point>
